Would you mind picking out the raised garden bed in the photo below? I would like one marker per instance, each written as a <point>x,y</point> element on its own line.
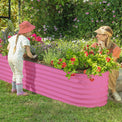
<point>52,83</point>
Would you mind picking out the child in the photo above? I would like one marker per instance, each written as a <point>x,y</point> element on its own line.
<point>17,46</point>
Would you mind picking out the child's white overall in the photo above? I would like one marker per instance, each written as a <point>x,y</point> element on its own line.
<point>16,60</point>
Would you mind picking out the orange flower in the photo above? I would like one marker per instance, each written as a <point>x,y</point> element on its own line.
<point>91,79</point>
<point>101,52</point>
<point>64,65</point>
<point>52,62</point>
<point>86,53</point>
<point>91,52</point>
<point>72,59</point>
<point>60,59</point>
<point>84,71</point>
<point>73,74</point>
<point>108,59</point>
<point>59,63</point>
<point>98,69</point>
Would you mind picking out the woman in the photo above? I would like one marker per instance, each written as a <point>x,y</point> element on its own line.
<point>17,46</point>
<point>103,36</point>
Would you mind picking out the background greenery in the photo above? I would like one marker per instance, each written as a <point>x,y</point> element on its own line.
<point>37,108</point>
<point>4,7</point>
<point>73,18</point>
<point>66,18</point>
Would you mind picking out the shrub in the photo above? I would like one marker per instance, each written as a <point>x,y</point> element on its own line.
<point>4,5</point>
<point>72,19</point>
<point>88,60</point>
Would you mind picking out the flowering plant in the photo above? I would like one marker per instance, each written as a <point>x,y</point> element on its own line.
<point>34,39</point>
<point>88,60</point>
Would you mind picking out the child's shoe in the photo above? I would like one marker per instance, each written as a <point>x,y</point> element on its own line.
<point>23,94</point>
<point>20,90</point>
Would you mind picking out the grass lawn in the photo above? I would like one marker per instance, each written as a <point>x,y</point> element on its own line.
<point>37,108</point>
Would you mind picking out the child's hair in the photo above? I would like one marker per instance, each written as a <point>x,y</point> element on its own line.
<point>15,43</point>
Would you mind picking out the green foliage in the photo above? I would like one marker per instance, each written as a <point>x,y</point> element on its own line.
<point>4,37</point>
<point>4,5</point>
<point>73,19</point>
<point>3,48</point>
<point>69,19</point>
<point>8,31</point>
<point>87,59</point>
<point>50,54</point>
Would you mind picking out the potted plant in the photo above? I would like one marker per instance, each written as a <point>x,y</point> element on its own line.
<point>51,81</point>
<point>88,60</point>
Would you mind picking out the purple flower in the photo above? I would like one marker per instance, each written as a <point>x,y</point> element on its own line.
<point>112,21</point>
<point>104,1</point>
<point>55,28</point>
<point>113,11</point>
<point>78,20</point>
<point>101,20</point>
<point>45,29</point>
<point>75,19</point>
<point>108,4</point>
<point>104,9</point>
<point>92,20</point>
<point>114,15</point>
<point>97,21</point>
<point>49,38</point>
<point>60,36</point>
<point>87,13</point>
<point>44,26</point>
<point>39,30</point>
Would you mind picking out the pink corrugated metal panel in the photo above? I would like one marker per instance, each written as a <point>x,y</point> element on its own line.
<point>52,83</point>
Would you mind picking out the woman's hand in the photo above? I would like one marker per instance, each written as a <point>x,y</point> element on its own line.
<point>34,56</point>
<point>101,44</point>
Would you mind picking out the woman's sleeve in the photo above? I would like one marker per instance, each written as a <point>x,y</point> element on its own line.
<point>116,52</point>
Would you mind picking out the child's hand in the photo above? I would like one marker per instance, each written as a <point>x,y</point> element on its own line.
<point>34,56</point>
<point>24,56</point>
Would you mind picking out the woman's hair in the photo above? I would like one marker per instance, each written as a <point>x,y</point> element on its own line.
<point>109,32</point>
<point>15,43</point>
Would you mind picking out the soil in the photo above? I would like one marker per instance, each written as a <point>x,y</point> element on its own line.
<point>36,61</point>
